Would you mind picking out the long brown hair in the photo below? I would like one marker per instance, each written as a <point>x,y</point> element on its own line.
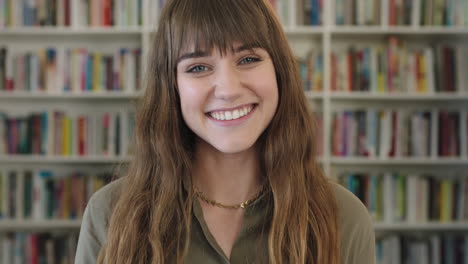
<point>151,221</point>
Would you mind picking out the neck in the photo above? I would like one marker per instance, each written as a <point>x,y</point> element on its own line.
<point>226,178</point>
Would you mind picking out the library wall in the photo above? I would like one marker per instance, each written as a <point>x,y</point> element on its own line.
<point>386,79</point>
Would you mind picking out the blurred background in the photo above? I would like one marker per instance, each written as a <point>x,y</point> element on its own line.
<point>387,80</point>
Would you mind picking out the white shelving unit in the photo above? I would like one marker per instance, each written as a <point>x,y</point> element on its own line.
<point>302,39</point>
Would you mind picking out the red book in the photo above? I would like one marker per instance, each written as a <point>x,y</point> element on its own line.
<point>81,136</point>
<point>443,136</point>
<point>67,13</point>
<point>350,78</point>
<point>392,13</point>
<point>107,12</point>
<point>394,134</point>
<point>34,249</point>
<point>334,74</point>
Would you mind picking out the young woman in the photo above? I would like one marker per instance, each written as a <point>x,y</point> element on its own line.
<point>225,169</point>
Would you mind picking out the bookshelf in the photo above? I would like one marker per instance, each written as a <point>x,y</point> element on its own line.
<point>322,39</point>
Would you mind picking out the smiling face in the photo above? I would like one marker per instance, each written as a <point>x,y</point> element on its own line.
<point>228,99</point>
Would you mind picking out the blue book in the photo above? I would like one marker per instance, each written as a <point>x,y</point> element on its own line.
<point>89,72</point>
<point>315,14</point>
<point>44,132</point>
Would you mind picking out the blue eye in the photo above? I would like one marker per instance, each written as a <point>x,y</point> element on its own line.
<point>197,68</point>
<point>248,60</point>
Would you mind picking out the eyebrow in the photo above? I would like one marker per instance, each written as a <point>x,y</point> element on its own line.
<point>201,54</point>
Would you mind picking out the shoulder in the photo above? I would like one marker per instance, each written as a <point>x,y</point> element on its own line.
<point>356,228</point>
<point>93,232</point>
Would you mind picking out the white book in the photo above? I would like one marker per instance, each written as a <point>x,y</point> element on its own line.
<point>385,7</point>
<point>60,71</point>
<point>34,72</point>
<point>36,203</point>
<point>18,12</point>
<point>412,192</point>
<point>425,210</point>
<point>130,72</point>
<point>435,244</point>
<point>411,73</point>
<point>60,13</point>
<point>124,135</point>
<point>7,250</point>
<point>19,195</point>
<point>373,71</point>
<point>401,137</point>
<point>361,12</point>
<point>352,134</point>
<point>371,131</point>
<point>388,198</point>
<point>385,133</point>
<point>416,13</point>
<point>428,53</point>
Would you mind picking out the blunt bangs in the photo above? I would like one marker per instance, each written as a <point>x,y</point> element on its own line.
<point>202,25</point>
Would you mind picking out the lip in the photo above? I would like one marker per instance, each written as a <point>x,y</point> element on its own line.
<point>230,109</point>
<point>235,122</point>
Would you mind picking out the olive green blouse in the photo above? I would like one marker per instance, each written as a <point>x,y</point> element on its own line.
<point>357,239</point>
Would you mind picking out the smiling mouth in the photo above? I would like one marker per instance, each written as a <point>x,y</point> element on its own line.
<point>232,114</point>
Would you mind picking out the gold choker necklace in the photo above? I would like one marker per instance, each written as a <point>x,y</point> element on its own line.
<point>243,205</point>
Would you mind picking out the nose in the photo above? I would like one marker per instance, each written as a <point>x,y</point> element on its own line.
<point>228,84</point>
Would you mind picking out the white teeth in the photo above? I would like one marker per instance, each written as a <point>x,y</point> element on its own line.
<point>230,115</point>
<point>235,114</point>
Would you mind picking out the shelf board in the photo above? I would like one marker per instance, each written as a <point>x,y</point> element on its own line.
<point>313,95</point>
<point>398,30</point>
<point>399,96</point>
<point>16,225</point>
<point>398,161</point>
<point>30,95</point>
<point>304,30</point>
<point>52,30</point>
<point>428,226</point>
<point>33,159</point>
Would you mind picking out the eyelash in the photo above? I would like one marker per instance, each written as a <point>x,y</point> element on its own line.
<point>253,60</point>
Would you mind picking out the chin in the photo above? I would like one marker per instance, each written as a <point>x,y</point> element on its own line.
<point>233,147</point>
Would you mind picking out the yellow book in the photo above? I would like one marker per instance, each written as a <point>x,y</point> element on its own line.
<point>445,205</point>
<point>380,73</point>
<point>422,70</point>
<point>66,198</point>
<point>66,136</point>
<point>97,58</point>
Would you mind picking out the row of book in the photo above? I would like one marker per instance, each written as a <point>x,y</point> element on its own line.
<point>22,247</point>
<point>61,133</point>
<point>70,70</point>
<point>103,13</point>
<point>401,12</point>
<point>357,12</point>
<point>311,70</point>
<point>45,194</point>
<point>413,198</point>
<point>430,249</point>
<point>398,68</point>
<point>400,133</point>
